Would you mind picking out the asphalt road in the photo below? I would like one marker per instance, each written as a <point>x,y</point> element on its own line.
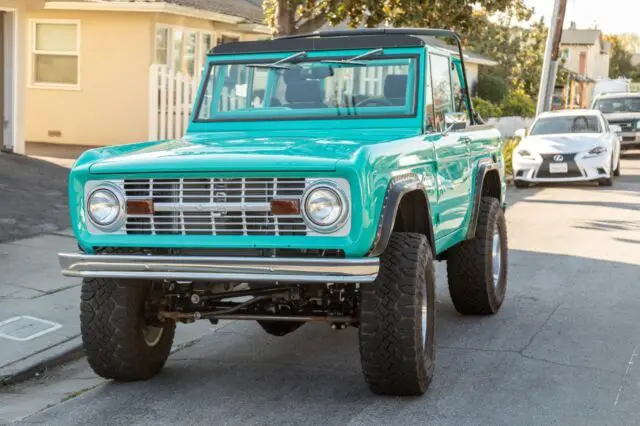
<point>563,350</point>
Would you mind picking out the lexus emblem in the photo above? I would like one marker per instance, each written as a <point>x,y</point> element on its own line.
<point>558,157</point>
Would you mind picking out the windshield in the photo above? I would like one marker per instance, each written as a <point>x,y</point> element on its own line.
<point>310,88</point>
<point>571,124</point>
<point>613,105</point>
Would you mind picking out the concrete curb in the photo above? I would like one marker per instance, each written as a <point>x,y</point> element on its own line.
<point>39,363</point>
<point>71,350</point>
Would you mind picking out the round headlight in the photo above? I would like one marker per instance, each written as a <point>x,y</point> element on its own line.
<point>103,207</point>
<point>324,207</point>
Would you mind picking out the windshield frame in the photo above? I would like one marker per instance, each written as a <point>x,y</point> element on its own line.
<point>313,56</point>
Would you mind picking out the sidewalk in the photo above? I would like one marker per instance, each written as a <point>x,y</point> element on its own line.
<point>39,308</point>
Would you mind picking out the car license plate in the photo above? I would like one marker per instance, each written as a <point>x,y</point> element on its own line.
<point>558,168</point>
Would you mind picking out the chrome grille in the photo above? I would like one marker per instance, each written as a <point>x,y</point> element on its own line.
<point>214,206</point>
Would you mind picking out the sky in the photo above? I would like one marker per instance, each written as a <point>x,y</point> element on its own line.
<point>611,16</point>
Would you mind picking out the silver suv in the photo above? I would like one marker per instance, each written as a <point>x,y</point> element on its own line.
<point>622,109</point>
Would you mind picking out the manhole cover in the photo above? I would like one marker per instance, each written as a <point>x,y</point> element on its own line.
<point>24,327</point>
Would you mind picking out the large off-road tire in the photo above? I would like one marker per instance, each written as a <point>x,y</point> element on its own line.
<point>477,268</point>
<point>397,319</point>
<point>119,342</point>
<point>280,328</point>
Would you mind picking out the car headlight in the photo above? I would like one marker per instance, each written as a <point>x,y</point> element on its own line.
<point>325,208</point>
<point>598,150</point>
<point>103,207</point>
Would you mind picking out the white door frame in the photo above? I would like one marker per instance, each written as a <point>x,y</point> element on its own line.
<point>11,107</point>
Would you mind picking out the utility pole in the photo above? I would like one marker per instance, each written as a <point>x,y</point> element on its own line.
<point>551,56</point>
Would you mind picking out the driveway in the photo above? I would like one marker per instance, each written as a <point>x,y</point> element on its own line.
<point>33,197</point>
<point>563,350</point>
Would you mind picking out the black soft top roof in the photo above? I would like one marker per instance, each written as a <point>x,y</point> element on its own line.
<point>369,38</point>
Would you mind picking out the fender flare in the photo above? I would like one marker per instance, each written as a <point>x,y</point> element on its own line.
<point>485,166</point>
<point>398,188</point>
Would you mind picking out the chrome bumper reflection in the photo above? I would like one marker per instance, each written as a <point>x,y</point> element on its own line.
<point>204,268</point>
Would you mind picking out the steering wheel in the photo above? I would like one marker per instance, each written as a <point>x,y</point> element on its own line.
<point>374,102</point>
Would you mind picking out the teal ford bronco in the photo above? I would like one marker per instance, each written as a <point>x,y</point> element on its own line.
<point>320,178</point>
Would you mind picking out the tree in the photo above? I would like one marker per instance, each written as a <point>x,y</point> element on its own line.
<point>491,87</point>
<point>486,109</point>
<point>518,104</point>
<point>286,17</point>
<point>517,49</point>
<point>620,64</point>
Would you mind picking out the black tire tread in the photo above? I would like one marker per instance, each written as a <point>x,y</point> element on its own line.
<point>469,265</point>
<point>391,357</point>
<point>111,314</point>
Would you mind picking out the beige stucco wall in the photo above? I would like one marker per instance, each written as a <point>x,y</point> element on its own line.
<point>16,112</point>
<point>472,74</point>
<point>110,106</point>
<point>597,63</point>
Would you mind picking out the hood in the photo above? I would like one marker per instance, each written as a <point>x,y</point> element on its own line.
<point>563,143</point>
<point>622,116</point>
<point>216,152</point>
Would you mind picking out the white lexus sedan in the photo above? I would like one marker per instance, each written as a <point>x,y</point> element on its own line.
<point>567,146</point>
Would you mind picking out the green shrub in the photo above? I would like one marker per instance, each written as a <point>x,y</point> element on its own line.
<point>507,152</point>
<point>518,104</point>
<point>486,109</point>
<point>492,88</point>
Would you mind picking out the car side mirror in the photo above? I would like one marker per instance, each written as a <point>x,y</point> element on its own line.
<point>521,133</point>
<point>615,128</point>
<point>455,120</point>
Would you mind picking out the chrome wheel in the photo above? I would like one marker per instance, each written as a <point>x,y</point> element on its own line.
<point>152,335</point>
<point>496,257</point>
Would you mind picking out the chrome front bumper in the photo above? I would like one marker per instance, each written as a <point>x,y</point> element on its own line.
<point>224,269</point>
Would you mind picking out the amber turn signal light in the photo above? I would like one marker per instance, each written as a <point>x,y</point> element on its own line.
<point>139,207</point>
<point>285,207</point>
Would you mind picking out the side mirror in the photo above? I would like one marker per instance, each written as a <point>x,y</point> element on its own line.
<point>455,120</point>
<point>521,133</point>
<point>615,128</point>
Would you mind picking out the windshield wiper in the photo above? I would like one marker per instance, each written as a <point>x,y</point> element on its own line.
<point>356,60</point>
<point>281,63</point>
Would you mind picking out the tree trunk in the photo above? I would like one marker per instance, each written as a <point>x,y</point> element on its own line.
<point>285,18</point>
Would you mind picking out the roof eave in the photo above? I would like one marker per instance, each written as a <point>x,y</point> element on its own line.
<point>158,7</point>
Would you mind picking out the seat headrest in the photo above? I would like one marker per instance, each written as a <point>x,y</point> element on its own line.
<point>304,91</point>
<point>395,86</point>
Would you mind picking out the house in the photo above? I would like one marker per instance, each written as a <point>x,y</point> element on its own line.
<point>586,57</point>
<point>13,29</point>
<point>90,63</point>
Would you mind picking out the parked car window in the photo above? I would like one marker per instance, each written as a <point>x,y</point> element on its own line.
<point>380,87</point>
<point>614,105</point>
<point>570,124</point>
<point>441,86</point>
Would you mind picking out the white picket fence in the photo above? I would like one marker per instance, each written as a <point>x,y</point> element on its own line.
<point>171,98</point>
